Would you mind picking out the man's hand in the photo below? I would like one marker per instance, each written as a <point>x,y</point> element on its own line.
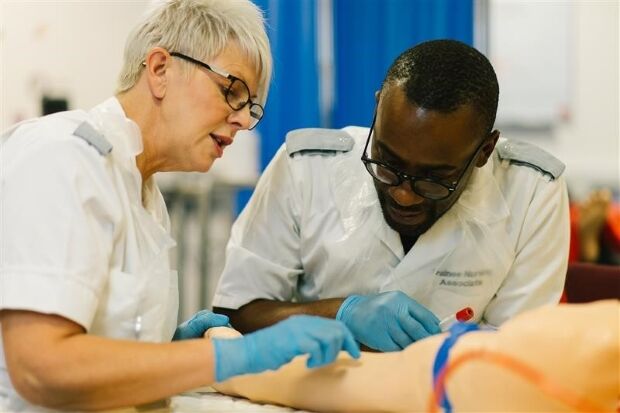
<point>196,326</point>
<point>387,321</point>
<point>270,348</point>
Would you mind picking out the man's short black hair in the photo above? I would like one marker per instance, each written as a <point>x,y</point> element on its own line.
<point>442,75</point>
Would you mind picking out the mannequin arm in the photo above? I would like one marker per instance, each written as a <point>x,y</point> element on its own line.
<point>573,346</point>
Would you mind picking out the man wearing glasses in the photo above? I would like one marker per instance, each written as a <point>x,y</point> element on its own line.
<point>393,228</point>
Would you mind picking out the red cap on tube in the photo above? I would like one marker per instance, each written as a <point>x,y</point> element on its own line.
<point>465,314</point>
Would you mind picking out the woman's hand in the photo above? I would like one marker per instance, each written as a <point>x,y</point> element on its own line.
<point>196,326</point>
<point>270,348</point>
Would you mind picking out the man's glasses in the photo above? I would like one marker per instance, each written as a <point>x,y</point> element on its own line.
<point>237,93</point>
<point>423,186</point>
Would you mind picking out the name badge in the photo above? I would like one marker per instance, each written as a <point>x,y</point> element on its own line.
<point>464,278</point>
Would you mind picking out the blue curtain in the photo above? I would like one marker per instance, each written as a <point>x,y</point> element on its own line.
<point>370,34</point>
<point>294,95</point>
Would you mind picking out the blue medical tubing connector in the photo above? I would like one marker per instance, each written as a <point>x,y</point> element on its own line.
<point>441,359</point>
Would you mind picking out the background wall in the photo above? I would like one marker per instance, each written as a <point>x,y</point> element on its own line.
<point>589,141</point>
<point>559,83</point>
<point>61,48</point>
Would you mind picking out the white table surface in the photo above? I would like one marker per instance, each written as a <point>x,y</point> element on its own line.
<point>206,399</point>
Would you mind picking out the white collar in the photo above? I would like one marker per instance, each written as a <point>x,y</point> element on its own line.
<point>482,200</point>
<point>123,133</point>
<point>125,136</point>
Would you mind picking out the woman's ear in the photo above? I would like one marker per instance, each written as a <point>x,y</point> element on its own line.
<point>156,65</point>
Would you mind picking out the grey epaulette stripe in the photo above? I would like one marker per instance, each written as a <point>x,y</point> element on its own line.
<point>522,153</point>
<point>317,139</point>
<point>93,138</point>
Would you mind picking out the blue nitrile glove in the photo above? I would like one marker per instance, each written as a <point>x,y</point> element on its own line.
<point>200,322</point>
<point>270,348</point>
<point>387,321</point>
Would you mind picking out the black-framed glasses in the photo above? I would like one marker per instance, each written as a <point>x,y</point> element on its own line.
<point>425,187</point>
<point>237,93</point>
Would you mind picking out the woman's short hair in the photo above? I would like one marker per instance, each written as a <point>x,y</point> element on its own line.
<point>201,29</point>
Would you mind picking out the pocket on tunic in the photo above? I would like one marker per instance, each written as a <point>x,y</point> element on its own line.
<point>451,293</point>
<point>116,314</point>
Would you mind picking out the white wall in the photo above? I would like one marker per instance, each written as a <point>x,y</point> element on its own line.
<point>531,59</point>
<point>589,142</point>
<point>586,135</point>
<point>67,48</point>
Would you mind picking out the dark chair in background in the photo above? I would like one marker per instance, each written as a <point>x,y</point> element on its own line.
<point>590,282</point>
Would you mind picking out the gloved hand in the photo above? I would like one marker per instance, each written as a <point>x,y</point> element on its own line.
<point>387,321</point>
<point>200,322</point>
<point>271,347</point>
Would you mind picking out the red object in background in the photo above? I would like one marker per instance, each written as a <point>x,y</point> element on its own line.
<point>574,251</point>
<point>609,238</point>
<point>574,248</point>
<point>611,230</point>
<point>610,248</point>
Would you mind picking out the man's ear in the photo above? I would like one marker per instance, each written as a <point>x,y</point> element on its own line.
<point>487,148</point>
<point>156,64</point>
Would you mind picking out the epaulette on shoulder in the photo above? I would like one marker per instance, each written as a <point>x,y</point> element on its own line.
<point>318,140</point>
<point>95,139</point>
<point>526,154</point>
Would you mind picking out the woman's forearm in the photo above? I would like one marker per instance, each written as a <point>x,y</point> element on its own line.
<point>99,373</point>
<point>83,372</point>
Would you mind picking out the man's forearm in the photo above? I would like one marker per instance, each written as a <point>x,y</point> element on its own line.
<point>263,313</point>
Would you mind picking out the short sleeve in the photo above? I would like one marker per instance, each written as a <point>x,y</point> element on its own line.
<point>57,225</point>
<point>538,272</point>
<point>263,254</point>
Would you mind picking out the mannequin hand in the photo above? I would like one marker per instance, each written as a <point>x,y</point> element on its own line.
<point>270,348</point>
<point>387,321</point>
